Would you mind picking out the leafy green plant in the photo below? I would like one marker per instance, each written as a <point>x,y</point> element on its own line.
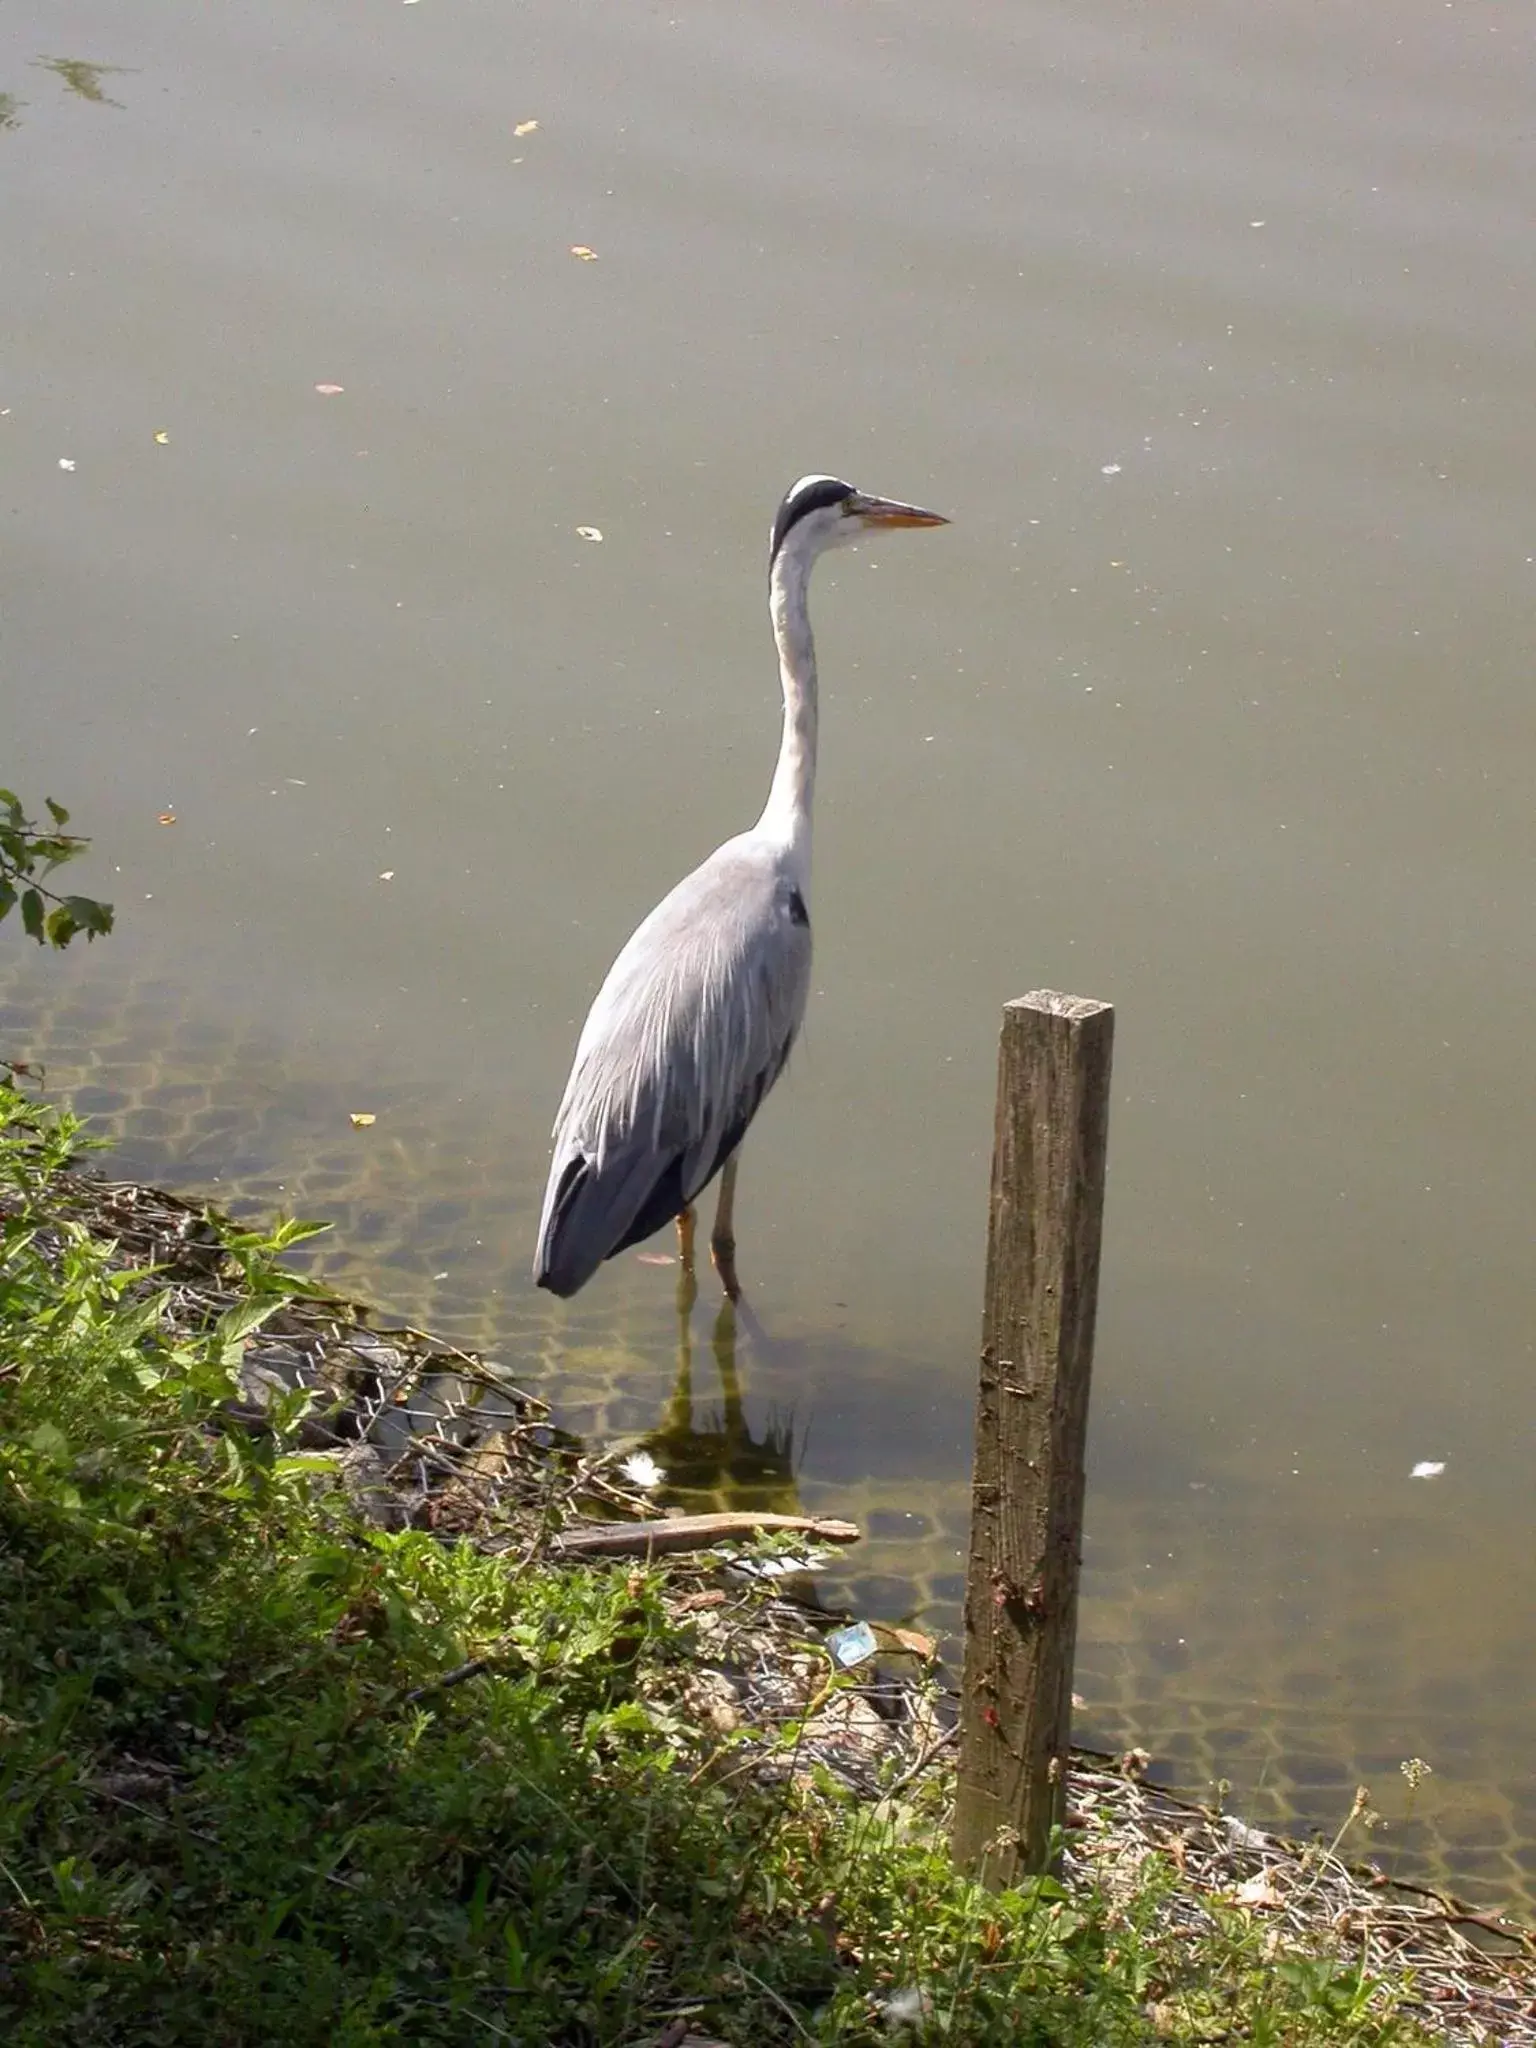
<point>254,1254</point>
<point>27,854</point>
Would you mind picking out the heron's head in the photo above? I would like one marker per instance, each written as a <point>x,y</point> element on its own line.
<point>822,512</point>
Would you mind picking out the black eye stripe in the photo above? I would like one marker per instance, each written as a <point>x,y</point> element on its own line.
<point>811,494</point>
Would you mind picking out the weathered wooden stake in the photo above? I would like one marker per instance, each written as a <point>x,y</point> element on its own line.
<point>1031,1429</point>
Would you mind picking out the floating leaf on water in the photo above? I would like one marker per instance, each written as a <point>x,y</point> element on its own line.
<point>362,1118</point>
<point>1427,1468</point>
<point>525,127</point>
<point>330,390</point>
<point>66,462</point>
<point>590,532</point>
<point>580,249</point>
<point>1110,469</point>
<point>162,437</point>
<point>166,818</point>
<point>388,875</point>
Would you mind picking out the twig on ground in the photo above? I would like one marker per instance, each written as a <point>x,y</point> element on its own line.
<point>692,1532</point>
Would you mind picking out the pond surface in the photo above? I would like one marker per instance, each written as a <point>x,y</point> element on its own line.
<point>1212,330</point>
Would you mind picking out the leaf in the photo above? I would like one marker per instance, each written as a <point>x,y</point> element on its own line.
<point>56,811</point>
<point>131,1323</point>
<point>7,898</point>
<point>590,532</point>
<point>54,852</point>
<point>32,914</point>
<point>330,390</point>
<point>59,926</point>
<point>239,1321</point>
<point>525,127</point>
<point>910,1639</point>
<point>91,916</point>
<point>577,249</point>
<point>162,437</point>
<point>294,1230</point>
<point>362,1118</point>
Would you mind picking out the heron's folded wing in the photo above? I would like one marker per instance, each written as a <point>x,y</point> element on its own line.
<point>688,1033</point>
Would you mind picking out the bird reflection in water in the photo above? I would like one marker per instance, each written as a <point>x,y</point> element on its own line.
<point>712,1459</point>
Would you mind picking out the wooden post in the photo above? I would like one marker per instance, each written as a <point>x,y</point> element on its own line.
<point>1031,1429</point>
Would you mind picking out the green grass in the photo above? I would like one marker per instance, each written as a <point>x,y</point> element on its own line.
<point>224,1819</point>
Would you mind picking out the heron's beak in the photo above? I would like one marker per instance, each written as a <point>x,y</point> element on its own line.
<point>891,512</point>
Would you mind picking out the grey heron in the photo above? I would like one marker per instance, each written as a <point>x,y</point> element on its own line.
<point>697,1015</point>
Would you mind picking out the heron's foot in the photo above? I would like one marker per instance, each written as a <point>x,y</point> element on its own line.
<point>723,1252</point>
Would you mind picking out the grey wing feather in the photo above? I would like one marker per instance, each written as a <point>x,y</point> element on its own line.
<point>687,1034</point>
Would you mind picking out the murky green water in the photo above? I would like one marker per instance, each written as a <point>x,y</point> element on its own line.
<point>1213,333</point>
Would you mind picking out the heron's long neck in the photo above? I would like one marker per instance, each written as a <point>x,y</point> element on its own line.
<point>787,813</point>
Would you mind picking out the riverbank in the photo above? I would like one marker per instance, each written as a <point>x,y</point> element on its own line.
<point>317,1727</point>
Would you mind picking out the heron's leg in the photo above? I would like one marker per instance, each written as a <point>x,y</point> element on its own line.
<point>722,1239</point>
<point>687,1284</point>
